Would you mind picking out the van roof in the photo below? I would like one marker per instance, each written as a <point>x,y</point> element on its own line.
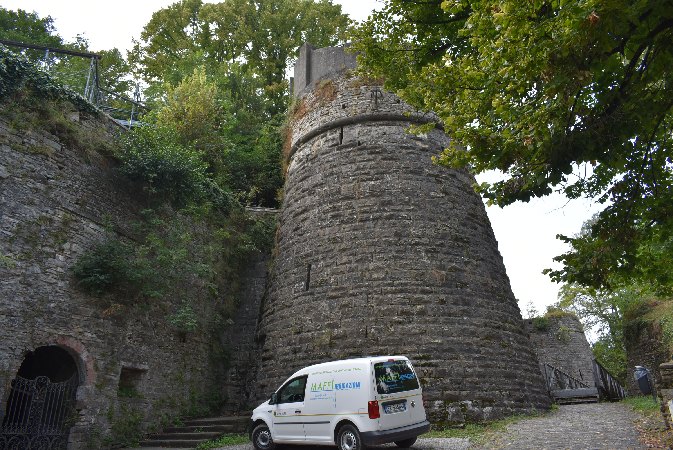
<point>364,359</point>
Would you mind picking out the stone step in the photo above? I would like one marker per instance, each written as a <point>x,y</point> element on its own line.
<point>582,395</point>
<point>226,420</point>
<point>172,443</point>
<point>194,436</point>
<point>574,400</point>
<point>229,428</point>
<point>195,431</point>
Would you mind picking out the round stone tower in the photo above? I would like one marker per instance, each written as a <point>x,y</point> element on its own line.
<point>381,252</point>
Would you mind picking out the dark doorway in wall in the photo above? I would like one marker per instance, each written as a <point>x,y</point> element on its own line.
<point>52,362</point>
<point>40,408</point>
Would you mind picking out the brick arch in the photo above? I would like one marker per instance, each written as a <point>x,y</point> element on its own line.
<point>84,359</point>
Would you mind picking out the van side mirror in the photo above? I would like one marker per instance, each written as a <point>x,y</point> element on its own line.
<point>274,399</point>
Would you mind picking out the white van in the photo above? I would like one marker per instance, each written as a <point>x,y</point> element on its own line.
<point>351,403</point>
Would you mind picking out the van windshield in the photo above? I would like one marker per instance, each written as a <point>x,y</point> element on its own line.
<point>394,376</point>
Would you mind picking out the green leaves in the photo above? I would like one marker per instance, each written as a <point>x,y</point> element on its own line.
<point>104,267</point>
<point>28,27</point>
<point>17,73</point>
<point>538,90</point>
<point>173,172</point>
<point>248,38</point>
<point>218,77</point>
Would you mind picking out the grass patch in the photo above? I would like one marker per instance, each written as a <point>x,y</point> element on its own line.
<point>479,433</point>
<point>227,439</point>
<point>649,422</point>
<point>644,404</point>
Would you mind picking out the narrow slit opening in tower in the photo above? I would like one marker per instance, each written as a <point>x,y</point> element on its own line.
<point>341,135</point>
<point>307,285</point>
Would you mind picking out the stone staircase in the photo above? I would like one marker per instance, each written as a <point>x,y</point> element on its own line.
<point>195,431</point>
<point>565,389</point>
<point>579,395</point>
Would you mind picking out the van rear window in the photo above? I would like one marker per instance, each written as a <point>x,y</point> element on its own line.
<point>394,376</point>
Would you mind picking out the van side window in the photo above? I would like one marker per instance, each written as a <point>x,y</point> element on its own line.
<point>293,391</point>
<point>394,376</point>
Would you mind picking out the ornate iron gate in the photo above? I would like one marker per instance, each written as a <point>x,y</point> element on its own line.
<point>39,414</point>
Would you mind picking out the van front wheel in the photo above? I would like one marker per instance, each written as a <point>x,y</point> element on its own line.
<point>349,438</point>
<point>406,443</point>
<point>261,438</point>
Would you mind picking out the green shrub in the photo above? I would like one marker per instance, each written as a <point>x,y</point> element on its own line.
<point>184,319</point>
<point>563,334</point>
<point>153,155</point>
<point>125,428</point>
<point>541,323</point>
<point>175,173</point>
<point>105,267</point>
<point>553,312</point>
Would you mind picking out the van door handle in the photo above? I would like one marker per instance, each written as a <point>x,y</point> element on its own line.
<point>297,411</point>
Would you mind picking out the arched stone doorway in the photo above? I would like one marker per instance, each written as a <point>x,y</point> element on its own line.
<point>40,407</point>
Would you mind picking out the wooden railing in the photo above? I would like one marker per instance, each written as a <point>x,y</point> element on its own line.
<point>556,379</point>
<point>608,387</point>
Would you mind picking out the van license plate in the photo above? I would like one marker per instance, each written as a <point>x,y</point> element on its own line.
<point>395,408</point>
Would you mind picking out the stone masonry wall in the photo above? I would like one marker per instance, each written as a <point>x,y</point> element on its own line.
<point>381,252</point>
<point>563,344</point>
<point>54,203</point>
<point>239,337</point>
<point>644,348</point>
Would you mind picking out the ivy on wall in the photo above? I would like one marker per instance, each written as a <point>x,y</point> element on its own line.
<point>180,256</point>
<point>18,75</point>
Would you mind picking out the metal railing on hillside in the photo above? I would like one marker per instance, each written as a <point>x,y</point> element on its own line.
<point>123,110</point>
<point>608,387</point>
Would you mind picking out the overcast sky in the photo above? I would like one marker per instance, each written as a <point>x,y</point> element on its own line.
<point>525,232</point>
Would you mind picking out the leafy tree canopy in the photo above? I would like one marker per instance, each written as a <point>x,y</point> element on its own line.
<point>575,96</point>
<point>72,71</point>
<point>217,74</point>
<point>250,39</point>
<point>26,27</point>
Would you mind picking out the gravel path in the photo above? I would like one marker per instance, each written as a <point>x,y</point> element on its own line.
<point>584,426</point>
<point>421,444</point>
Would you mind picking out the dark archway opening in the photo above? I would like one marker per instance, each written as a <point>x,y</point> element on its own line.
<point>52,362</point>
<point>41,405</point>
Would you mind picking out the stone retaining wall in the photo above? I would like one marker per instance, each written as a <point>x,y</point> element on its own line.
<point>55,203</point>
<point>561,342</point>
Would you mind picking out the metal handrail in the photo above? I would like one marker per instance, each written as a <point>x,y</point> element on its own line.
<point>63,51</point>
<point>93,91</point>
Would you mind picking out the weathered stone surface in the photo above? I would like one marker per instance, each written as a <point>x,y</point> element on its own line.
<point>381,252</point>
<point>563,345</point>
<point>54,204</point>
<point>644,348</point>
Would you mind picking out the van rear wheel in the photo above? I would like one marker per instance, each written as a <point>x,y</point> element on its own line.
<point>349,438</point>
<point>406,443</point>
<point>261,438</point>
